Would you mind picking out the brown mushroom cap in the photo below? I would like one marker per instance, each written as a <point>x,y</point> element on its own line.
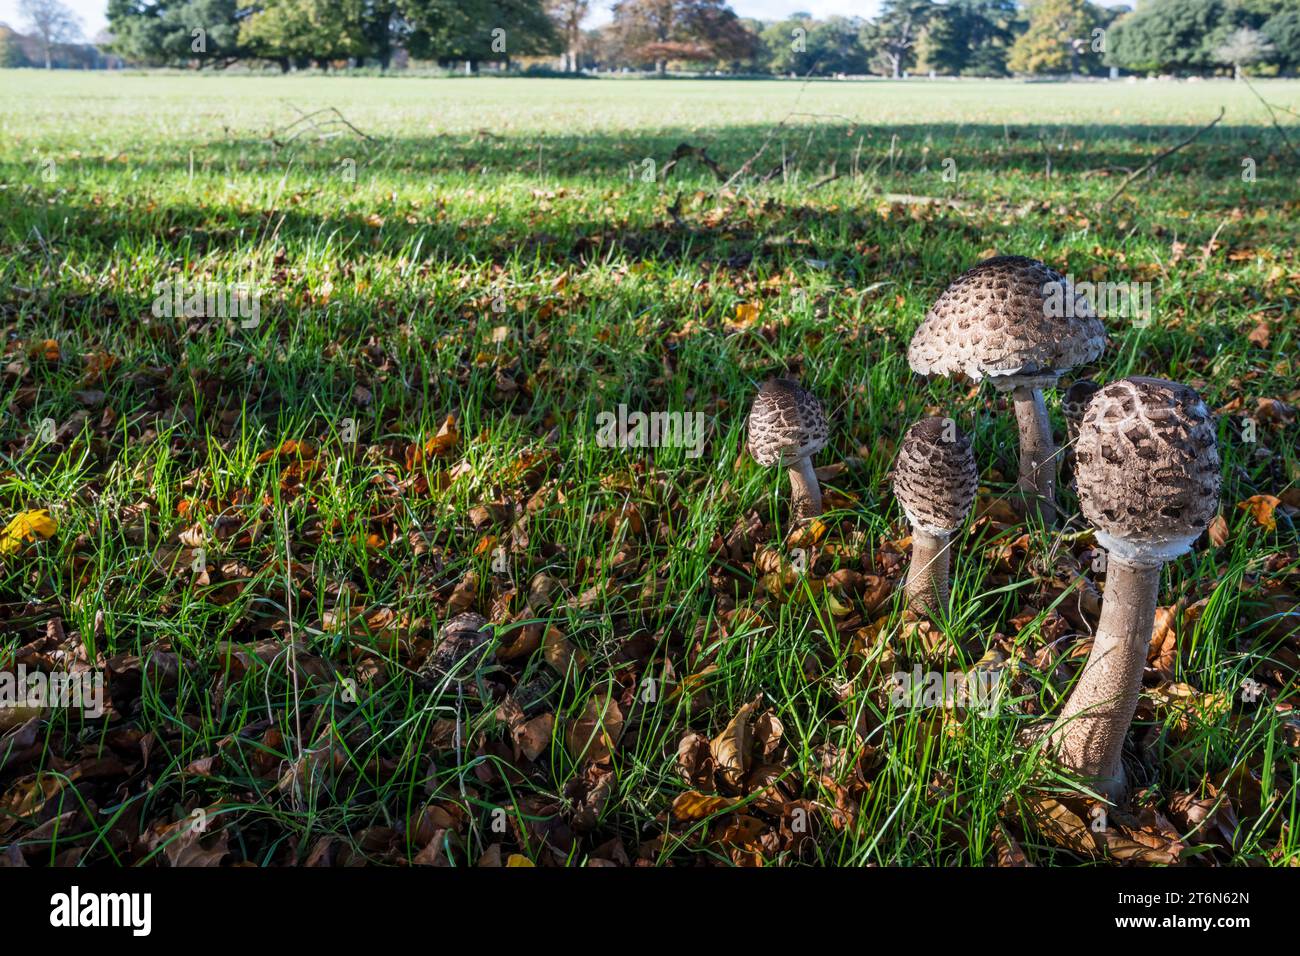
<point>1008,316</point>
<point>786,423</point>
<point>1148,468</point>
<point>1075,401</point>
<point>935,478</point>
<point>458,638</point>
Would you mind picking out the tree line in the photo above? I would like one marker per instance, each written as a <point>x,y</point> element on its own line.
<point>951,38</point>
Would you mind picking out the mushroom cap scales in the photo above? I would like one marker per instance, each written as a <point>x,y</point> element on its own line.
<point>935,477</point>
<point>1007,316</point>
<point>787,423</point>
<point>1148,468</point>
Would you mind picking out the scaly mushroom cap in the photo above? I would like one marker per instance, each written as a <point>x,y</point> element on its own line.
<point>460,636</point>
<point>1148,468</point>
<point>935,476</point>
<point>786,423</point>
<point>1008,316</point>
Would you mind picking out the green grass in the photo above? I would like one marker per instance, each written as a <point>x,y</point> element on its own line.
<point>492,260</point>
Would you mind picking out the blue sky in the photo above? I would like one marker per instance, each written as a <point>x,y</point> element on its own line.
<point>92,12</point>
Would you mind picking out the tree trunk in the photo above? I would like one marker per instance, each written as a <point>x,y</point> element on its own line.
<point>661,67</point>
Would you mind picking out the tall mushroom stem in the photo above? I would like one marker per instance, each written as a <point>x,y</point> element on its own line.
<point>805,493</point>
<point>1089,733</point>
<point>1037,451</point>
<point>927,575</point>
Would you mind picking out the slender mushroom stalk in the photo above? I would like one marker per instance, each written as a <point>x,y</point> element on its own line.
<point>927,574</point>
<point>1016,321</point>
<point>1090,729</point>
<point>1037,482</point>
<point>935,481</point>
<point>787,425</point>
<point>1148,475</point>
<point>805,493</point>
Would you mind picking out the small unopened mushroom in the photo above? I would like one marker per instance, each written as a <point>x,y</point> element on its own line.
<point>459,649</point>
<point>935,481</point>
<point>1074,402</point>
<point>1017,322</point>
<point>1148,475</point>
<point>787,426</point>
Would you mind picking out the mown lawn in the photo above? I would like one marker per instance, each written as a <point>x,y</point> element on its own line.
<point>261,527</point>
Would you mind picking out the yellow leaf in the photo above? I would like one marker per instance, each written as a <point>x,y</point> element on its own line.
<point>694,805</point>
<point>746,314</point>
<point>1261,507</point>
<point>27,526</point>
<point>446,439</point>
<point>516,859</point>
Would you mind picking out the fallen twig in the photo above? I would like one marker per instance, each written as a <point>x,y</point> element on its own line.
<point>1169,152</point>
<point>684,150</point>
<point>309,119</point>
<point>1273,118</point>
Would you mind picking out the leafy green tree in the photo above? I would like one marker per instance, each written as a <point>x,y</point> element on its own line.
<point>1283,30</point>
<point>969,37</point>
<point>1063,36</point>
<point>474,30</point>
<point>785,44</point>
<point>202,30</point>
<point>1166,35</point>
<point>137,29</point>
<point>176,31</point>
<point>378,26</point>
<point>304,30</point>
<point>891,38</point>
<point>836,48</point>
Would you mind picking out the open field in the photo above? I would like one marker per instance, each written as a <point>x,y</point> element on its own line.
<point>261,525</point>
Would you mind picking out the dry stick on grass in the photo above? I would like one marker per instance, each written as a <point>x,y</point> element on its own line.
<point>1273,118</point>
<point>310,120</point>
<point>1167,153</point>
<point>699,152</point>
<point>1207,250</point>
<point>748,164</point>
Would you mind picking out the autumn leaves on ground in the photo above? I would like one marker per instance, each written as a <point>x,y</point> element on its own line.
<point>259,531</point>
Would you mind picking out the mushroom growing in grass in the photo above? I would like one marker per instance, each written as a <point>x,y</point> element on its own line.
<point>787,426</point>
<point>935,481</point>
<point>1148,476</point>
<point>1074,402</point>
<point>1020,324</point>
